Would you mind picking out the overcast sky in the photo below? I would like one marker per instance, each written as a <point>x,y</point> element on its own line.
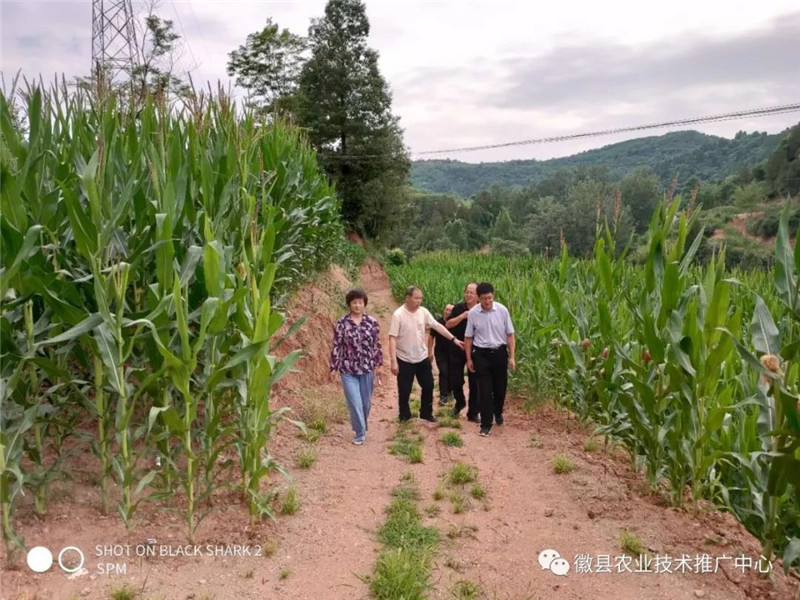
<point>473,73</point>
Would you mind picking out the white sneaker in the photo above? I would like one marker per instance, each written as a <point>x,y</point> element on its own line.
<point>358,442</point>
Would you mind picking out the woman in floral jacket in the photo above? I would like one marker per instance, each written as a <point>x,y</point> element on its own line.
<point>356,355</point>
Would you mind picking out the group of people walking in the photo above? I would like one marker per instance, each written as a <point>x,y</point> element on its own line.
<point>477,334</point>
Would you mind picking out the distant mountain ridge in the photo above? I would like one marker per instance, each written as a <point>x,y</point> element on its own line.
<point>690,154</point>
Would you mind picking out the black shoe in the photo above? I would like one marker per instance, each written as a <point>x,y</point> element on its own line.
<point>443,401</point>
<point>404,419</point>
<point>498,419</point>
<point>484,431</point>
<point>429,419</point>
<point>473,418</point>
<point>457,410</point>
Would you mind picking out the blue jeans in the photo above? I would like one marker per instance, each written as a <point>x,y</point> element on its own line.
<point>358,392</point>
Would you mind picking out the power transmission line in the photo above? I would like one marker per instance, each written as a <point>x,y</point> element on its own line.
<point>758,112</point>
<point>185,38</point>
<point>197,25</point>
<point>731,116</point>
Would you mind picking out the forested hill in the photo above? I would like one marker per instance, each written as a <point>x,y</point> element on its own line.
<point>690,154</point>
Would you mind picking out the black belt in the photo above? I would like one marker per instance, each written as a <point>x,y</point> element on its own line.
<point>490,350</point>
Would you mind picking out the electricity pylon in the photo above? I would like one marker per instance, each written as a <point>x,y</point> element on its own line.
<point>114,49</point>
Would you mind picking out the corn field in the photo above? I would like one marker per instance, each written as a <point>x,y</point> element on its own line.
<point>144,255</point>
<point>694,370</point>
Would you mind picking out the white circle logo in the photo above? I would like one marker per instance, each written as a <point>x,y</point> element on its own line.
<point>40,559</point>
<point>61,564</point>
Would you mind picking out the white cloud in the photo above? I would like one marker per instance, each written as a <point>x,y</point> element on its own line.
<point>476,72</point>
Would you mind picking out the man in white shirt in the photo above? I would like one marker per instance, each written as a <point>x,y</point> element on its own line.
<point>490,346</point>
<point>408,352</point>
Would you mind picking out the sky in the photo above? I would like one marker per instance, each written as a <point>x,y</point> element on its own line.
<point>474,73</point>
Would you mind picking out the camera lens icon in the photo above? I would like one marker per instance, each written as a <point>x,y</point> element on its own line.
<point>61,556</point>
<point>40,559</point>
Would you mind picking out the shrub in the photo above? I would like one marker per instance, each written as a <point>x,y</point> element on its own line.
<point>396,257</point>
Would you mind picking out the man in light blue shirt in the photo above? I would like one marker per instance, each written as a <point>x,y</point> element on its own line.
<point>490,346</point>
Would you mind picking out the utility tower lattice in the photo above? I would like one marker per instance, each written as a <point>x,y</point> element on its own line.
<point>114,49</point>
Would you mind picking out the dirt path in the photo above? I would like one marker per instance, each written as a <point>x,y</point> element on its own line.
<point>326,549</point>
<point>530,509</point>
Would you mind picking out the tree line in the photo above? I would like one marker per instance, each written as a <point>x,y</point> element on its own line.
<point>569,206</point>
<point>692,155</point>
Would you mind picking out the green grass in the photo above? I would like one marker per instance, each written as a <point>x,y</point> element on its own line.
<point>123,593</point>
<point>311,435</point>
<point>562,464</point>
<point>590,445</point>
<point>404,565</point>
<point>445,418</point>
<point>407,445</point>
<point>452,439</point>
<point>306,458</point>
<point>403,527</point>
<point>477,491</point>
<point>319,425</point>
<point>631,543</point>
<point>291,502</point>
<point>406,492</point>
<point>439,493</point>
<point>285,574</point>
<point>415,404</point>
<point>462,473</point>
<point>399,574</point>
<point>466,590</point>
<point>458,502</point>
<point>432,510</point>
<point>408,477</point>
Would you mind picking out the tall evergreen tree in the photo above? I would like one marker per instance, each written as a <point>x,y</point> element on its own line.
<point>345,105</point>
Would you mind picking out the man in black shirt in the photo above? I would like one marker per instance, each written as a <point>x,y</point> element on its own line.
<point>457,324</point>
<point>441,353</point>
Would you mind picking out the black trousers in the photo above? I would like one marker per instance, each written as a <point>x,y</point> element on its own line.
<point>443,364</point>
<point>491,369</point>
<point>458,360</point>
<point>405,380</point>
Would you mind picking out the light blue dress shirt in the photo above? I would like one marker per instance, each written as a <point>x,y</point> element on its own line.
<point>489,329</point>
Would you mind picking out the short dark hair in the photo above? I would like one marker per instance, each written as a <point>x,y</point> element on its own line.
<point>469,284</point>
<point>410,290</point>
<point>484,288</point>
<point>354,295</point>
